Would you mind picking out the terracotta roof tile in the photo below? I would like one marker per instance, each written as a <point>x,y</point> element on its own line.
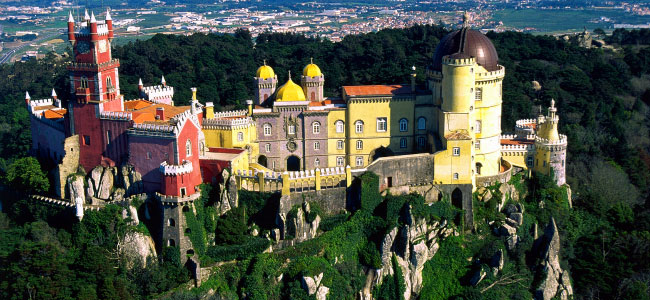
<point>458,135</point>
<point>148,114</point>
<point>54,114</point>
<point>367,90</point>
<point>136,104</point>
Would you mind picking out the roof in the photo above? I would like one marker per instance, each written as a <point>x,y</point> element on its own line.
<point>371,90</point>
<point>465,43</point>
<point>290,92</point>
<point>54,114</point>
<point>311,70</point>
<point>148,114</point>
<point>222,154</point>
<point>136,104</point>
<point>458,135</point>
<point>44,107</point>
<point>265,72</point>
<point>516,142</point>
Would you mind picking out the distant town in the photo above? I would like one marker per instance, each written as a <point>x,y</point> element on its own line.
<point>25,31</point>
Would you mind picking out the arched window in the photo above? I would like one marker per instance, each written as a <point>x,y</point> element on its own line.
<point>316,145</point>
<point>339,126</point>
<point>315,127</point>
<point>402,143</point>
<point>339,144</point>
<point>359,161</point>
<point>358,125</point>
<point>478,168</point>
<point>83,82</point>
<point>267,129</point>
<point>403,125</point>
<point>171,222</point>
<point>422,123</point>
<point>339,161</point>
<point>240,136</point>
<point>477,126</point>
<point>316,162</point>
<point>188,148</point>
<point>359,144</point>
<point>381,124</point>
<point>109,83</point>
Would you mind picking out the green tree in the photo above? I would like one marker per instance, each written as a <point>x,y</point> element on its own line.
<point>25,174</point>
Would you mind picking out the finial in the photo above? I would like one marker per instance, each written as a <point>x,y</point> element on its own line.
<point>552,103</point>
<point>92,18</point>
<point>108,15</point>
<point>289,74</point>
<point>311,60</point>
<point>53,93</point>
<point>27,96</point>
<point>162,80</point>
<point>70,18</point>
<point>413,68</point>
<point>140,82</point>
<point>466,19</point>
<point>86,17</point>
<point>265,62</point>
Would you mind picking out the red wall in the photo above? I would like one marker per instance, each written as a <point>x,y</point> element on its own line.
<point>172,184</point>
<point>161,150</point>
<point>87,124</point>
<point>117,148</point>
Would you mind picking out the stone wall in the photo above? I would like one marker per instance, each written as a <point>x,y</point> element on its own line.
<point>173,227</point>
<point>331,201</point>
<point>403,170</point>
<point>69,165</point>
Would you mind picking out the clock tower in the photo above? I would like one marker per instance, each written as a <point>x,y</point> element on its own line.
<point>94,84</point>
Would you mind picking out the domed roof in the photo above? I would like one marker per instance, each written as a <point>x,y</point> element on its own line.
<point>290,92</point>
<point>265,72</point>
<point>467,43</point>
<point>311,70</point>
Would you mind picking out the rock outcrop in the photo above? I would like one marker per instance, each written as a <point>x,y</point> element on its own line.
<point>514,218</point>
<point>554,281</point>
<point>131,180</point>
<point>300,227</point>
<point>76,187</point>
<point>228,197</point>
<point>136,248</point>
<point>100,182</point>
<point>412,245</point>
<point>313,286</point>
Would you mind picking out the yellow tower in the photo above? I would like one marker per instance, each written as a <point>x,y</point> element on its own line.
<point>550,146</point>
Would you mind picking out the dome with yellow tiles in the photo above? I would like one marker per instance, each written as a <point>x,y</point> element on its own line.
<point>290,92</point>
<point>265,72</point>
<point>311,70</point>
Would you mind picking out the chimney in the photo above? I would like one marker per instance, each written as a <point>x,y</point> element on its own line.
<point>249,105</point>
<point>71,37</point>
<point>160,113</point>
<point>209,110</point>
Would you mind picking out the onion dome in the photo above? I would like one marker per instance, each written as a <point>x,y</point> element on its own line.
<point>265,72</point>
<point>311,70</point>
<point>290,92</point>
<point>465,43</point>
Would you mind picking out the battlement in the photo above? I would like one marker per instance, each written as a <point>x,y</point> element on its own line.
<point>231,113</point>
<point>514,136</point>
<point>116,115</point>
<point>543,141</point>
<point>448,60</point>
<point>90,67</point>
<point>174,170</point>
<point>500,73</point>
<point>155,127</point>
<point>523,147</point>
<point>295,181</point>
<point>158,92</point>
<point>174,200</point>
<point>217,123</point>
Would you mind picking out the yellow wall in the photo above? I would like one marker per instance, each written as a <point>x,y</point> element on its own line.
<point>446,164</point>
<point>223,137</point>
<point>334,137</point>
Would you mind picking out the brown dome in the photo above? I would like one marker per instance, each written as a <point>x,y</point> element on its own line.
<point>467,43</point>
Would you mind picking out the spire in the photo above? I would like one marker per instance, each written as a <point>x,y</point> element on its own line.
<point>140,82</point>
<point>162,80</point>
<point>92,18</point>
<point>466,19</point>
<point>193,94</point>
<point>54,94</point>
<point>70,18</point>
<point>311,60</point>
<point>27,97</point>
<point>552,103</point>
<point>289,74</point>
<point>108,15</point>
<point>86,17</point>
<point>265,62</point>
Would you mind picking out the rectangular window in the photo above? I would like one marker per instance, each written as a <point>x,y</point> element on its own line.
<point>292,129</point>
<point>456,151</point>
<point>339,161</point>
<point>529,161</point>
<point>455,176</point>
<point>381,124</point>
<point>477,146</point>
<point>402,143</point>
<point>86,140</point>
<point>183,192</point>
<point>359,145</point>
<point>421,141</point>
<point>267,147</point>
<point>339,145</point>
<point>359,161</point>
<point>478,95</point>
<point>316,145</point>
<point>148,155</point>
<point>108,137</point>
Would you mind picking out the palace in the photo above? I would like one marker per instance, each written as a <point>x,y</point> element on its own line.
<point>445,135</point>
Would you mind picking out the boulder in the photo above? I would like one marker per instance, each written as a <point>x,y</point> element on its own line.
<point>76,187</point>
<point>511,242</point>
<point>321,293</point>
<point>478,276</point>
<point>136,248</point>
<point>517,217</point>
<point>497,261</point>
<point>555,281</point>
<point>507,230</point>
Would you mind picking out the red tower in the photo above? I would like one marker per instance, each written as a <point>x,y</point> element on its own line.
<point>94,83</point>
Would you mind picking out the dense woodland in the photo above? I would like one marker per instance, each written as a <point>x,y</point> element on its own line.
<point>602,96</point>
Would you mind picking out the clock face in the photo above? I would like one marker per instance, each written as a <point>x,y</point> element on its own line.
<point>102,46</point>
<point>83,47</point>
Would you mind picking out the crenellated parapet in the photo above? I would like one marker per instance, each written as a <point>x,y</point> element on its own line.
<point>175,170</point>
<point>295,181</point>
<point>542,142</point>
<point>158,93</point>
<point>230,113</point>
<point>239,123</point>
<point>116,115</point>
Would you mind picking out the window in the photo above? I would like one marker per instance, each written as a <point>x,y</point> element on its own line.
<point>83,82</point>
<point>267,129</point>
<point>455,176</point>
<point>188,148</point>
<point>87,140</point>
<point>478,168</point>
<point>267,147</point>
<point>339,161</point>
<point>358,125</point>
<point>359,161</point>
<point>240,136</point>
<point>316,162</point>
<point>339,126</point>
<point>529,161</point>
<point>315,127</point>
<point>477,145</point>
<point>477,126</point>
<point>183,191</point>
<point>422,123</point>
<point>544,163</point>
<point>171,222</point>
<point>171,243</point>
<point>381,124</point>
<point>339,144</point>
<point>456,151</point>
<point>148,155</point>
<point>421,141</point>
<point>109,83</point>
<point>402,143</point>
<point>108,137</point>
<point>291,129</point>
<point>316,145</point>
<point>478,96</point>
<point>403,125</point>
<point>359,145</point>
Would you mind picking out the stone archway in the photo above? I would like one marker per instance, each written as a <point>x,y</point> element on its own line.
<point>262,160</point>
<point>293,163</point>
<point>478,168</point>
<point>380,152</point>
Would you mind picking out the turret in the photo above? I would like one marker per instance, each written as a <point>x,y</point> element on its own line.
<point>162,81</point>
<point>93,27</point>
<point>109,24</point>
<point>266,82</point>
<point>86,17</point>
<point>140,85</point>
<point>71,37</point>
<point>27,98</point>
<point>312,82</point>
<point>55,99</point>
<point>249,105</point>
